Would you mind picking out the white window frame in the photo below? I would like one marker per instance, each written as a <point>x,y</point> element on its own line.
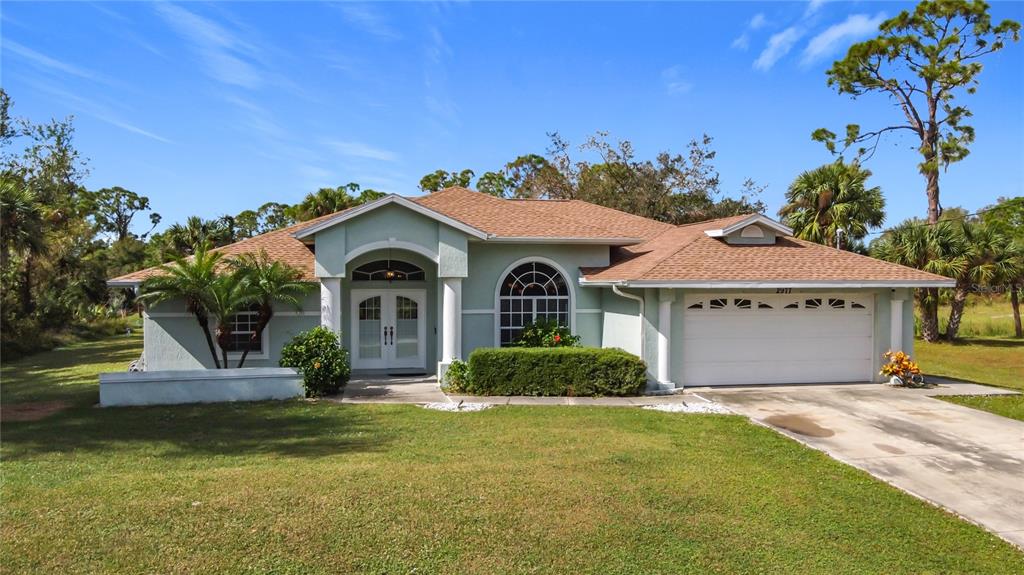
<point>264,352</point>
<point>570,285</point>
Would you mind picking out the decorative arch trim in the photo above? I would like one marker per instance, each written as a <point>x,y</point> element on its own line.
<point>392,244</point>
<point>538,259</point>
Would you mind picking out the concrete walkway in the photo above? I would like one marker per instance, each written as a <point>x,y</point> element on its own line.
<point>968,461</point>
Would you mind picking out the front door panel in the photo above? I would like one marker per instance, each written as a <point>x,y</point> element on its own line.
<point>388,329</point>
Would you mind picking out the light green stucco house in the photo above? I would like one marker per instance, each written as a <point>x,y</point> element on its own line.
<point>412,284</point>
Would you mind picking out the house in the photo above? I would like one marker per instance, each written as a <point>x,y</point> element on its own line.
<point>412,284</point>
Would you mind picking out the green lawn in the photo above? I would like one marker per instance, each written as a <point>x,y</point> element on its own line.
<point>992,361</point>
<point>316,487</point>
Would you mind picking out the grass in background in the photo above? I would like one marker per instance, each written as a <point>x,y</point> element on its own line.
<point>1011,406</point>
<point>318,487</point>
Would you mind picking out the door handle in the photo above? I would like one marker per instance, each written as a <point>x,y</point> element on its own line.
<point>392,330</point>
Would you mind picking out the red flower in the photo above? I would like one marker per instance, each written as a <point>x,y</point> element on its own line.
<point>558,338</point>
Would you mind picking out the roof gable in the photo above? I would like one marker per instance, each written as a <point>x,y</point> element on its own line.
<point>345,215</point>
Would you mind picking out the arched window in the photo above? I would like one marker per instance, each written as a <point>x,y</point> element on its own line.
<point>387,270</point>
<point>529,292</point>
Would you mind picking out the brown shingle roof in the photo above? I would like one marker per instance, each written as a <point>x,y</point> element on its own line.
<point>687,254</point>
<point>667,253</point>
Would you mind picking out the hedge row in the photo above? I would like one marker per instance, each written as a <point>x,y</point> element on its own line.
<point>573,371</point>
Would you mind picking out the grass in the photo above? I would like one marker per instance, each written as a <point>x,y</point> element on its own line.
<point>984,316</point>
<point>1011,406</point>
<point>318,487</point>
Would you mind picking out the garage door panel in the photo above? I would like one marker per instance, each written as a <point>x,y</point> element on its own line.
<point>750,346</point>
<point>789,348</point>
<point>717,326</point>
<point>753,372</point>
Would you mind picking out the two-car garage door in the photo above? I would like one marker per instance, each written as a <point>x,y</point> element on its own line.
<point>739,339</point>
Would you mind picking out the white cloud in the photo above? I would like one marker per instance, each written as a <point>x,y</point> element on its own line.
<point>836,37</point>
<point>813,6</point>
<point>367,19</point>
<point>96,110</point>
<point>742,42</point>
<point>226,56</point>
<point>778,46</point>
<point>361,150</point>
<point>674,81</point>
<point>44,61</point>
<point>758,21</point>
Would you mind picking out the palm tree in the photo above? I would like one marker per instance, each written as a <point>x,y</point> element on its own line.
<point>270,281</point>
<point>196,232</point>
<point>1009,272</point>
<point>933,248</point>
<point>981,249</point>
<point>21,220</point>
<point>191,280</point>
<point>229,294</point>
<point>833,200</point>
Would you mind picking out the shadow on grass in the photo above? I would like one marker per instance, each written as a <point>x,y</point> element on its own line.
<point>288,428</point>
<point>985,342</point>
<point>68,374</point>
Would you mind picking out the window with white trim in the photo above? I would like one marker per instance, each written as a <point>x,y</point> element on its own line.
<point>243,326</point>
<point>531,291</point>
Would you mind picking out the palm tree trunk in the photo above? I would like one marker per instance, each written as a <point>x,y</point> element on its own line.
<point>205,324</point>
<point>956,310</point>
<point>1015,303</point>
<point>929,306</point>
<point>257,334</point>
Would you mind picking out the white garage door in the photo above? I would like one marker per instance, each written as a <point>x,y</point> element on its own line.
<point>739,339</point>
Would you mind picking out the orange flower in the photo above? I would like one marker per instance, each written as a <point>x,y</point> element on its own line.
<point>316,365</point>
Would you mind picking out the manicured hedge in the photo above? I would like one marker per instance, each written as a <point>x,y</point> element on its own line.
<point>576,371</point>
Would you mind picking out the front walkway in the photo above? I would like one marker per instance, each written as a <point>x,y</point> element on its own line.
<point>968,461</point>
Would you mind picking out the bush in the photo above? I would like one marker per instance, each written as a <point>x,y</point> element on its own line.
<point>574,371</point>
<point>546,333</point>
<point>318,356</point>
<point>456,377</point>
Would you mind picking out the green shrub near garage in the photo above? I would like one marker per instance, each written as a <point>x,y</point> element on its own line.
<point>571,371</point>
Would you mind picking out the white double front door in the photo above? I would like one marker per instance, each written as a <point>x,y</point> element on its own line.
<point>388,329</point>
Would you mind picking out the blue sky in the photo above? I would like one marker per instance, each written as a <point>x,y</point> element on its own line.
<point>215,108</point>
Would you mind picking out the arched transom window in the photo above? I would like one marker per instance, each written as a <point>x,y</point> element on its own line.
<point>387,270</point>
<point>529,292</point>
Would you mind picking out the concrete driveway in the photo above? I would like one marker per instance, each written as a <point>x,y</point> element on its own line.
<point>968,461</point>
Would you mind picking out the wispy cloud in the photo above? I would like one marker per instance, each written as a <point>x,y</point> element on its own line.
<point>369,20</point>
<point>436,98</point>
<point>835,37</point>
<point>813,6</point>
<point>96,110</point>
<point>361,150</point>
<point>674,82</point>
<point>227,57</point>
<point>43,61</point>
<point>742,42</point>
<point>778,46</point>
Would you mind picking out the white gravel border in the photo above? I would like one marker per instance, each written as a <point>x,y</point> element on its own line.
<point>457,407</point>
<point>703,407</point>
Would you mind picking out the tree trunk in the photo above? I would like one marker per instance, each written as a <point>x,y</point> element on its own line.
<point>1015,303</point>
<point>224,341</point>
<point>956,309</point>
<point>261,324</point>
<point>928,303</point>
<point>28,305</point>
<point>932,189</point>
<point>204,323</point>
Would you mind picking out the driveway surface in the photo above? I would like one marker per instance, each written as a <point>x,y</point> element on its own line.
<point>968,461</point>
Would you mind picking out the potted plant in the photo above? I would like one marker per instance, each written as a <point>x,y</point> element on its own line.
<point>902,371</point>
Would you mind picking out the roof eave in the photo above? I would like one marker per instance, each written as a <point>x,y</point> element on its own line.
<point>386,200</point>
<point>118,283</point>
<point>564,240</point>
<point>752,219</point>
<point>772,284</point>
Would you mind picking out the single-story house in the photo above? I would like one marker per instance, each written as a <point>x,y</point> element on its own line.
<point>413,283</point>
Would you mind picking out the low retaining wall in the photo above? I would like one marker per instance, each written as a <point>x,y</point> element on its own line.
<point>199,386</point>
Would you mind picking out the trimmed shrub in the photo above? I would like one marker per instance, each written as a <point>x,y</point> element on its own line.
<point>318,356</point>
<point>574,371</point>
<point>456,377</point>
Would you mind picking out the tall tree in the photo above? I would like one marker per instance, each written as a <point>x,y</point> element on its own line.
<point>329,200</point>
<point>113,210</point>
<point>833,205</point>
<point>983,252</point>
<point>271,282</point>
<point>21,220</point>
<point>440,179</point>
<point>933,248</point>
<point>923,61</point>
<point>191,280</point>
<point>1007,218</point>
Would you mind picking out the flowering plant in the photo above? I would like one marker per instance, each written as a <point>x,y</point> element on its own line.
<point>901,367</point>
<point>546,333</point>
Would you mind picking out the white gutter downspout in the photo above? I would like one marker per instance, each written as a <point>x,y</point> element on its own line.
<point>640,300</point>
